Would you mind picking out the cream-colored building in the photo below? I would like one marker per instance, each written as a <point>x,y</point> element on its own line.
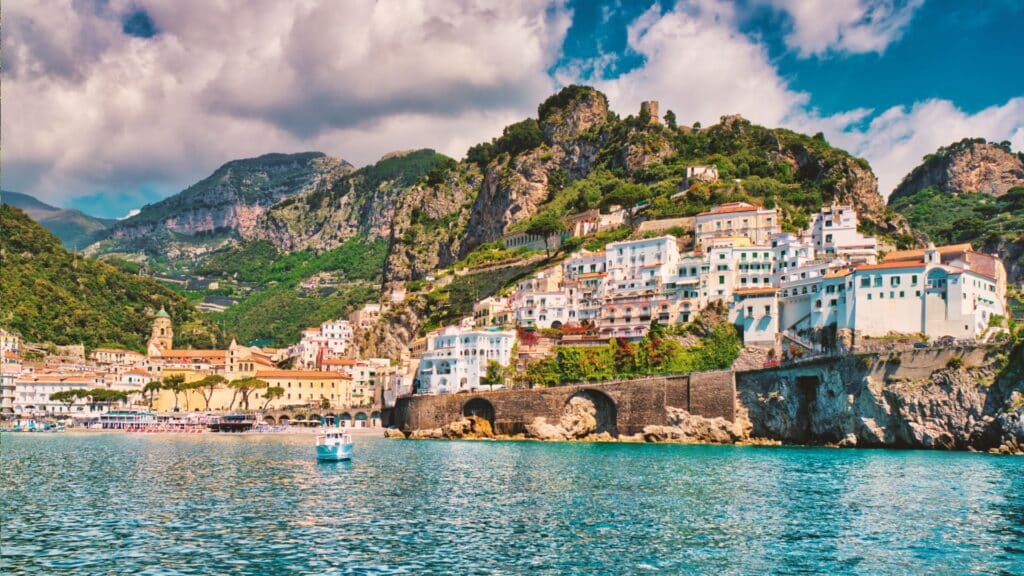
<point>736,219</point>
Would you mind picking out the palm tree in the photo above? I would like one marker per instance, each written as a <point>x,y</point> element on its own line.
<point>271,393</point>
<point>175,384</point>
<point>150,389</point>
<point>208,385</point>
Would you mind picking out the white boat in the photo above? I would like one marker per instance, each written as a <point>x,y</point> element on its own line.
<point>333,445</point>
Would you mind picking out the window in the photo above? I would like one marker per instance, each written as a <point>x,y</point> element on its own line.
<point>894,281</point>
<point>869,296</point>
<point>901,294</point>
<point>721,279</point>
<point>865,282</point>
<point>878,281</point>
<point>768,309</point>
<point>913,280</point>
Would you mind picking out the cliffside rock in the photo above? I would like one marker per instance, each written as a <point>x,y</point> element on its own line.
<point>865,402</point>
<point>234,197</point>
<point>470,427</point>
<point>684,427</point>
<point>427,434</point>
<point>361,202</point>
<point>579,418</point>
<point>971,165</point>
<point>394,433</point>
<point>540,429</point>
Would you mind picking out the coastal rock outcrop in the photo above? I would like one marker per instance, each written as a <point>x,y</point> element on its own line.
<point>873,401</point>
<point>686,428</point>
<point>468,428</point>
<point>394,433</point>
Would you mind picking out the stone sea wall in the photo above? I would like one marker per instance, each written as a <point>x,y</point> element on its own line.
<point>945,398</point>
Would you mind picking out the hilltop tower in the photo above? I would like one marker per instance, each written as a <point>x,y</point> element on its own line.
<point>649,109</point>
<point>162,337</point>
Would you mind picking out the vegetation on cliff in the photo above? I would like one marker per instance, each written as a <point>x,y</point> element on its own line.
<point>974,217</point>
<point>277,311</point>
<point>52,295</point>
<point>656,353</point>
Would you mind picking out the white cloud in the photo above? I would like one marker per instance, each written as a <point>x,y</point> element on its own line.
<point>90,108</point>
<point>897,139</point>
<point>850,26</point>
<point>700,66</point>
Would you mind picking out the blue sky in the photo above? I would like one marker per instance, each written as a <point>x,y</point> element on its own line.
<point>114,104</point>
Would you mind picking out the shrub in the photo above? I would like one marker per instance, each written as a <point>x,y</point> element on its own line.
<point>955,363</point>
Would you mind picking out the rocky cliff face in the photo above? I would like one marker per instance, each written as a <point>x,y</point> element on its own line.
<point>515,187</point>
<point>971,165</point>
<point>890,401</point>
<point>234,196</point>
<point>361,202</point>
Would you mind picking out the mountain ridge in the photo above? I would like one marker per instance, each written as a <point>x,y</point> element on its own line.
<point>74,228</point>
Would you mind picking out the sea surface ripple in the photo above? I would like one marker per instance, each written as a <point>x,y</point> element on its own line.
<point>177,505</point>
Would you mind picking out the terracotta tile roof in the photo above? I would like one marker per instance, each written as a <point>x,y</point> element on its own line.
<point>116,351</point>
<point>339,362</point>
<point>730,208</point>
<point>838,273</point>
<point>891,265</point>
<point>312,374</point>
<point>755,291</point>
<point>593,275</point>
<point>138,371</point>
<point>193,354</point>
<point>918,253</point>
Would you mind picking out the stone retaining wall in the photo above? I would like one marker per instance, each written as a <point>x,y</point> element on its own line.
<point>635,403</point>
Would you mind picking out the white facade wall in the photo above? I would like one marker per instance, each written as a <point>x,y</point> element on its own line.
<point>834,232</point>
<point>456,359</point>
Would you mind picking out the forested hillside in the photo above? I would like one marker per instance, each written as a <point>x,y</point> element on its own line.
<point>50,294</point>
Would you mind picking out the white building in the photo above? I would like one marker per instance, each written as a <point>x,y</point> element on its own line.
<point>332,339</point>
<point>641,264</point>
<point>33,391</point>
<point>834,233</point>
<point>10,371</point>
<point>9,342</point>
<point>456,358</point>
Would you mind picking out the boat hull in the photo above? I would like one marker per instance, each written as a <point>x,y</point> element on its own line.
<point>334,452</point>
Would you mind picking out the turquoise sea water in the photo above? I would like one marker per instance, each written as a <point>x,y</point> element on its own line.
<point>124,504</point>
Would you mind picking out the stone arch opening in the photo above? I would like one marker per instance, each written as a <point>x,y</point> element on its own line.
<point>481,408</point>
<point>284,420</point>
<point>361,419</point>
<point>590,412</point>
<point>269,420</point>
<point>807,386</point>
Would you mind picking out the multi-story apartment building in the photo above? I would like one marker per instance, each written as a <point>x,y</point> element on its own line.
<point>492,311</point>
<point>830,303</point>
<point>834,233</point>
<point>456,358</point>
<point>9,341</point>
<point>10,371</point>
<point>332,339</point>
<point>33,392</point>
<point>736,219</point>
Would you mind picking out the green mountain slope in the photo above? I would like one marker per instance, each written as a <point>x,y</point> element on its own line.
<point>75,229</point>
<point>52,295</point>
<point>970,191</point>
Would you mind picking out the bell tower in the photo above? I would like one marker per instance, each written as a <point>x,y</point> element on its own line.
<point>162,337</point>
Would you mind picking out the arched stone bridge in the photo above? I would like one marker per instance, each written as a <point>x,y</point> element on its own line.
<point>359,417</point>
<point>626,406</point>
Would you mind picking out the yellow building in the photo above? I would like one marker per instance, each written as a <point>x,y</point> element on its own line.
<point>301,389</point>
